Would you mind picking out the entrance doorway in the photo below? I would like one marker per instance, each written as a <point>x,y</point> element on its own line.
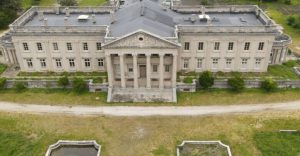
<point>143,71</point>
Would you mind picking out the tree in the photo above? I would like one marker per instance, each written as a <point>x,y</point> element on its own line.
<point>206,79</point>
<point>269,85</point>
<point>291,20</point>
<point>237,83</point>
<point>2,83</point>
<point>63,82</point>
<point>79,85</point>
<point>68,2</point>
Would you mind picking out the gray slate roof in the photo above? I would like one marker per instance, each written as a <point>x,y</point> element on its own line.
<point>153,19</point>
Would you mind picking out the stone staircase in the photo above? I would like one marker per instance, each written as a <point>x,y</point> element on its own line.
<point>141,95</point>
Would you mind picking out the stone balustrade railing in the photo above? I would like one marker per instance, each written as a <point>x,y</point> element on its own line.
<point>220,29</point>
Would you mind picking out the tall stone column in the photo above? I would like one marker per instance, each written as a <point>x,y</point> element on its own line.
<point>161,71</point>
<point>148,66</point>
<point>122,70</point>
<point>174,72</point>
<point>135,71</point>
<point>109,70</point>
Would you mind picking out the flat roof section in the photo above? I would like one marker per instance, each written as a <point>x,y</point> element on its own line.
<point>59,20</point>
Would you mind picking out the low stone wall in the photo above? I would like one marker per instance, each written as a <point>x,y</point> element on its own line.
<point>98,87</point>
<point>34,83</point>
<point>186,87</point>
<point>257,84</point>
<point>53,84</point>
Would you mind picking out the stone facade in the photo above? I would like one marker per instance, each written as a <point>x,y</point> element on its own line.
<point>157,44</point>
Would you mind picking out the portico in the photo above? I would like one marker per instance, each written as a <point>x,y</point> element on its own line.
<point>142,65</point>
<point>142,70</point>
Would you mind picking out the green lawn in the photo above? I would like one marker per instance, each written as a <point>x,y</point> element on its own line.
<point>278,143</point>
<point>247,135</point>
<point>199,98</point>
<point>2,68</point>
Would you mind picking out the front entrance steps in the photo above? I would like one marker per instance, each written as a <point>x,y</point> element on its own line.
<point>141,95</point>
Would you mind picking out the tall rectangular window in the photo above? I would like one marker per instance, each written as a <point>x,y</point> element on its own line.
<point>55,46</point>
<point>257,63</point>
<point>25,46</point>
<point>101,62</point>
<point>261,46</point>
<point>1,53</point>
<point>230,46</point>
<point>39,46</point>
<point>200,46</point>
<point>72,63</point>
<point>99,46</point>
<point>217,46</point>
<point>185,63</point>
<point>244,62</point>
<point>87,62</point>
<point>69,46</point>
<point>199,63</point>
<point>154,68</point>
<point>58,63</point>
<point>85,46</point>
<point>29,63</point>
<point>167,68</point>
<point>215,62</point>
<point>247,46</point>
<point>186,45</point>
<point>228,63</point>
<point>43,63</point>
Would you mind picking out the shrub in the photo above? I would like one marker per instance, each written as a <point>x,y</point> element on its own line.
<point>288,2</point>
<point>2,83</point>
<point>206,79</point>
<point>204,2</point>
<point>20,86</point>
<point>291,20</point>
<point>188,80</point>
<point>79,85</point>
<point>67,2</point>
<point>63,81</point>
<point>269,85</point>
<point>290,63</point>
<point>237,83</point>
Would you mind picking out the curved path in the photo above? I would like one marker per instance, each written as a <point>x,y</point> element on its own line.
<point>144,111</point>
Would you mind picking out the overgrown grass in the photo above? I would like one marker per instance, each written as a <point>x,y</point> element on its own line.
<point>138,136</point>
<point>91,2</point>
<point>2,68</point>
<point>199,98</point>
<point>278,143</point>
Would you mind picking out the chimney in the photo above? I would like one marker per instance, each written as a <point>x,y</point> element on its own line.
<point>258,13</point>
<point>269,23</point>
<point>203,10</point>
<point>41,15</point>
<point>66,22</point>
<point>113,17</point>
<point>67,12</point>
<point>94,18</point>
<point>46,22</point>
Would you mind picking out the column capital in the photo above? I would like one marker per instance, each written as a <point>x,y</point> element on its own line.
<point>134,54</point>
<point>121,54</point>
<point>148,54</point>
<point>108,55</point>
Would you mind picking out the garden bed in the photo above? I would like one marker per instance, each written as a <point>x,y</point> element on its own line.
<point>203,148</point>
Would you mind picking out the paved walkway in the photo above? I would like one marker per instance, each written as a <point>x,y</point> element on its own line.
<point>145,111</point>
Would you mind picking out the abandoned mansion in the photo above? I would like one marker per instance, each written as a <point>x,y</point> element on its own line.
<point>143,44</point>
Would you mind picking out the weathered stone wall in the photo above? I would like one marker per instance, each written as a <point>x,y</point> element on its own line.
<point>256,84</point>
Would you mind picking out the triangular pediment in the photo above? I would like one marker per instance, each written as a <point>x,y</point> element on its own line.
<point>141,39</point>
